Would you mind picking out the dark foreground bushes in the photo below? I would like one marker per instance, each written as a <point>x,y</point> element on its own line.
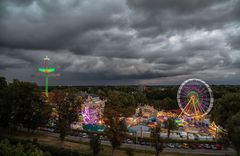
<point>17,147</point>
<point>8,149</point>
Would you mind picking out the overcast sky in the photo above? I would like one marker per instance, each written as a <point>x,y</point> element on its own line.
<point>121,42</point>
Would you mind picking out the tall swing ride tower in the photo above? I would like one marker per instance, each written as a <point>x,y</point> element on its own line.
<point>47,72</point>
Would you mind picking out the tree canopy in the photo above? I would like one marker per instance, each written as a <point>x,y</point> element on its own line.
<point>234,131</point>
<point>67,105</point>
<point>226,107</point>
<point>23,105</point>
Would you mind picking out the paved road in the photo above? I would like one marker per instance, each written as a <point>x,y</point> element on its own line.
<point>229,151</point>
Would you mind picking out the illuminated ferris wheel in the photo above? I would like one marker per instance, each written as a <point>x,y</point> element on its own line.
<point>195,98</point>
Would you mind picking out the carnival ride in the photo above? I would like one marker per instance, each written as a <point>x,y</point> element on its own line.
<point>195,98</point>
<point>47,72</point>
<point>89,113</point>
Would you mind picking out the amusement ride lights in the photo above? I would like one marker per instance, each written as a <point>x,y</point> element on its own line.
<point>48,72</point>
<point>195,98</point>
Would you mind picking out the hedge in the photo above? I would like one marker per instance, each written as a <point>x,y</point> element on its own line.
<point>55,151</point>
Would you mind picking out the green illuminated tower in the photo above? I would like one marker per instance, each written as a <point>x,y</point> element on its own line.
<point>47,72</point>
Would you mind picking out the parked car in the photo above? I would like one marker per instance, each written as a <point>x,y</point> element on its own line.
<point>170,145</point>
<point>193,146</point>
<point>216,147</point>
<point>207,146</point>
<point>199,146</point>
<point>148,144</point>
<point>143,143</point>
<point>84,135</point>
<point>177,145</point>
<point>47,129</point>
<point>183,135</point>
<point>191,136</point>
<point>213,147</point>
<point>185,145</point>
<point>129,141</point>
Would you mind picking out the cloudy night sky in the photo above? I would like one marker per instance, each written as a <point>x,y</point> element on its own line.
<point>121,42</point>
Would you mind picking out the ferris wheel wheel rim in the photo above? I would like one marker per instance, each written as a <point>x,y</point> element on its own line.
<point>208,89</point>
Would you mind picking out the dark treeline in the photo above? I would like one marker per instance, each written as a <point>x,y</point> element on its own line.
<point>22,103</point>
<point>124,97</point>
<point>161,97</point>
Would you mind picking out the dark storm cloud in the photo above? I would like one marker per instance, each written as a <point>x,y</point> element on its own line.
<point>8,62</point>
<point>128,42</point>
<point>53,24</point>
<point>157,17</point>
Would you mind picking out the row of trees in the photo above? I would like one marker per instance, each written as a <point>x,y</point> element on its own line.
<point>226,112</point>
<point>21,104</point>
<point>162,97</point>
